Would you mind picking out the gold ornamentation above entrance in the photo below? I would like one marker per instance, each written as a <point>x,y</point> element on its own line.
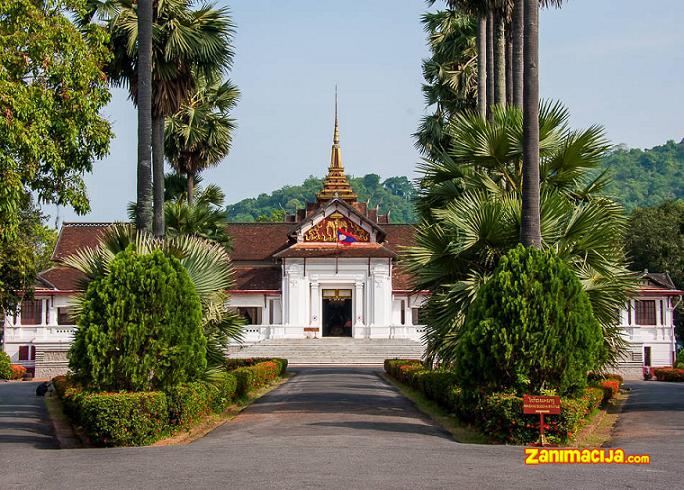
<point>337,294</point>
<point>326,230</point>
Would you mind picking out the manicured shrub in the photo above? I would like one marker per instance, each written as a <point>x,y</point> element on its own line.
<point>18,371</point>
<point>530,328</point>
<point>140,327</point>
<point>188,402</point>
<point>256,376</point>
<point>679,362</point>
<point>611,388</point>
<point>5,366</point>
<point>593,377</point>
<point>669,374</point>
<point>232,364</point>
<point>227,386</point>
<point>123,419</point>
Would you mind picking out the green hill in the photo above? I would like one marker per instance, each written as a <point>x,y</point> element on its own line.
<point>393,194</point>
<point>641,178</point>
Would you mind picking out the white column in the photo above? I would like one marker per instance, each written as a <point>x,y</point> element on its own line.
<point>315,303</point>
<point>358,302</point>
<point>382,300</point>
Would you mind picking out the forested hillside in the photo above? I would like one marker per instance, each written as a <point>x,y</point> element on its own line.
<point>641,178</point>
<point>393,194</point>
<point>644,178</point>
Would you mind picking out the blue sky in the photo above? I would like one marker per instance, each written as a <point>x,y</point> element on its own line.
<point>615,63</point>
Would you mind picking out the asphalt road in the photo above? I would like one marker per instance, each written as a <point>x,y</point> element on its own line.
<point>346,428</point>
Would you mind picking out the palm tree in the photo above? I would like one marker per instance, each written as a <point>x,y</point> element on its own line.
<point>471,207</point>
<point>207,264</point>
<point>199,135</point>
<point>144,181</point>
<point>188,43</point>
<point>450,74</point>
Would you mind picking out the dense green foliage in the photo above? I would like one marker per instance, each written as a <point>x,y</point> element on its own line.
<point>450,75</point>
<point>52,89</point>
<point>642,178</point>
<point>5,366</point>
<point>470,202</point>
<point>394,194</point>
<point>498,415</point>
<point>140,326</point>
<point>669,374</point>
<point>208,265</point>
<point>531,328</point>
<point>122,419</point>
<point>256,376</point>
<point>656,239</point>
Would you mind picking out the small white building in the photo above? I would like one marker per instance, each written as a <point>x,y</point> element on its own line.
<point>647,324</point>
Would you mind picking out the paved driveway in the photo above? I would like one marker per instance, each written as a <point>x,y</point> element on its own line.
<point>24,422</point>
<point>327,428</point>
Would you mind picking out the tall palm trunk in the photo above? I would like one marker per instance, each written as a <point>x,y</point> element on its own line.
<point>500,60</point>
<point>158,174</point>
<point>482,63</point>
<point>530,229</point>
<point>143,217</point>
<point>491,98</point>
<point>191,187</point>
<point>517,29</point>
<point>509,67</point>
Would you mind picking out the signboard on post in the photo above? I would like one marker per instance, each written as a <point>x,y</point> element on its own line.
<point>542,405</point>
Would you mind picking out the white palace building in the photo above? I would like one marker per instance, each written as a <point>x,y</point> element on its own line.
<point>329,270</point>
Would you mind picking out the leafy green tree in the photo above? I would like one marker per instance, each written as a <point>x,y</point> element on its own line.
<point>394,195</point>
<point>52,89</point>
<point>470,202</point>
<point>200,133</point>
<point>531,328</point>
<point>139,326</point>
<point>5,366</point>
<point>207,263</point>
<point>646,178</point>
<point>656,240</point>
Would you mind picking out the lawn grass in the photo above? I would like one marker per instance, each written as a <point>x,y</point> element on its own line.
<point>459,431</point>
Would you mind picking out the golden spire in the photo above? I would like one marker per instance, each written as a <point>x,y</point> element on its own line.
<point>336,183</point>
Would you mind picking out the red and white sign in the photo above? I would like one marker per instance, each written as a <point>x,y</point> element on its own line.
<point>537,404</point>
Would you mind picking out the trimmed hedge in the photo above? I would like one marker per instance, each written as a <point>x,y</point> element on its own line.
<point>18,371</point>
<point>669,374</point>
<point>255,376</point>
<point>139,418</point>
<point>5,366</point>
<point>499,415</point>
<point>598,377</point>
<point>123,419</point>
<point>232,364</point>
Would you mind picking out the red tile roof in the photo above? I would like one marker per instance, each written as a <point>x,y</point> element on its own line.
<point>75,236</point>
<point>257,278</point>
<point>60,278</point>
<point>259,241</point>
<point>302,250</point>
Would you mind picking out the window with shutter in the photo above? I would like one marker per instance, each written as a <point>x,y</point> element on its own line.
<point>645,312</point>
<point>31,312</point>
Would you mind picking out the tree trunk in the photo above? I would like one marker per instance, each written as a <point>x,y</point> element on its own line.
<point>500,60</point>
<point>517,58</point>
<point>143,216</point>
<point>491,99</point>
<point>530,229</point>
<point>191,187</point>
<point>509,68</point>
<point>158,174</point>
<point>482,63</point>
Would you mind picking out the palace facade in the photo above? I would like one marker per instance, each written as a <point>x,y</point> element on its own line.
<point>329,270</point>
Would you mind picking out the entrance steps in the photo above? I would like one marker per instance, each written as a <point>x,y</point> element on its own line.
<point>333,351</point>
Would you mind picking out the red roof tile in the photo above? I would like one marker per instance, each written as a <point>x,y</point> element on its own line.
<point>257,278</point>
<point>302,250</point>
<point>258,241</point>
<point>61,278</point>
<point>75,236</point>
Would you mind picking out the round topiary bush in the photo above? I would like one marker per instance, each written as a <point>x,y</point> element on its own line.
<point>5,366</point>
<point>531,328</point>
<point>140,326</point>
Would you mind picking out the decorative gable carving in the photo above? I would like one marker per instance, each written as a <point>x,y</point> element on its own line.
<point>326,229</point>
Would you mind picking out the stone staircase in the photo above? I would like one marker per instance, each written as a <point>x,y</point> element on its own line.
<point>333,351</point>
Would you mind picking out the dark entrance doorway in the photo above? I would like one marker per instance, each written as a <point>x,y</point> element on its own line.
<point>337,317</point>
